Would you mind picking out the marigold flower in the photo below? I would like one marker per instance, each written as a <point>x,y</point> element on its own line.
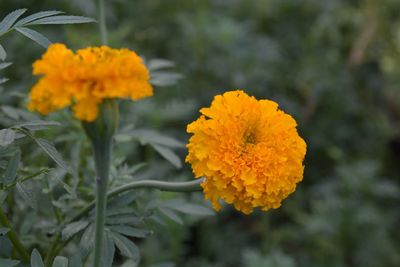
<point>248,150</point>
<point>85,78</point>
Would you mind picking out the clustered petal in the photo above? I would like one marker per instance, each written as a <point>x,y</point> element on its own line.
<point>248,150</point>
<point>85,78</point>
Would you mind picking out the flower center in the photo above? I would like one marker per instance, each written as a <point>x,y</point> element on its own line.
<point>250,138</point>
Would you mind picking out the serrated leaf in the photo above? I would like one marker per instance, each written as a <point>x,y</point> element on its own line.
<point>5,64</point>
<point>7,137</point>
<point>27,195</point>
<point>130,231</point>
<point>156,64</point>
<point>170,214</point>
<point>36,16</point>
<point>36,259</point>
<point>11,171</point>
<point>122,200</point>
<point>62,19</point>
<point>34,36</point>
<point>126,246</point>
<point>60,261</point>
<point>9,20</point>
<point>108,251</point>
<point>73,228</point>
<point>4,231</point>
<point>3,53</point>
<point>8,262</point>
<point>37,125</point>
<point>169,155</point>
<point>87,241</point>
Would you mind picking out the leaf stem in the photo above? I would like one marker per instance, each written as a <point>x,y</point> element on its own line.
<point>13,237</point>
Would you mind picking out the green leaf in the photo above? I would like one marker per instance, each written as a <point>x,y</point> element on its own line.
<point>8,262</point>
<point>60,261</point>
<point>3,80</point>
<point>27,195</point>
<point>87,240</point>
<point>126,247</point>
<point>7,136</point>
<point>9,20</point>
<point>36,16</point>
<point>192,209</point>
<point>11,171</point>
<point>34,36</point>
<point>124,219</point>
<point>3,53</point>
<point>62,19</point>
<point>3,196</point>
<point>37,125</point>
<point>146,136</point>
<point>130,263</point>
<point>130,231</point>
<point>36,259</point>
<point>156,64</point>
<point>5,65</point>
<point>165,78</point>
<point>75,261</point>
<point>73,228</point>
<point>108,251</point>
<point>4,231</point>
<point>169,155</point>
<point>170,214</point>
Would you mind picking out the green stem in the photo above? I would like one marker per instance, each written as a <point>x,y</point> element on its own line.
<point>102,22</point>
<point>53,250</point>
<point>102,154</point>
<point>13,236</point>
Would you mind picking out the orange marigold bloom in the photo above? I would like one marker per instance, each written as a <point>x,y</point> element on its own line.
<point>248,150</point>
<point>85,78</point>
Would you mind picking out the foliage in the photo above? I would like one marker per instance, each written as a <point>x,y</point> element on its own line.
<point>333,64</point>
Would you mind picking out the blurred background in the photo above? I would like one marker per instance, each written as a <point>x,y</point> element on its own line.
<point>333,64</point>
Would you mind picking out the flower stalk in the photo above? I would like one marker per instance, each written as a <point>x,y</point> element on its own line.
<point>101,133</point>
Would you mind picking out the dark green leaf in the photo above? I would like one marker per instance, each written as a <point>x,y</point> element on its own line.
<point>60,261</point>
<point>27,195</point>
<point>130,231</point>
<point>7,136</point>
<point>87,241</point>
<point>169,155</point>
<point>37,125</point>
<point>108,250</point>
<point>3,196</point>
<point>11,171</point>
<point>9,20</point>
<point>36,16</point>
<point>36,259</point>
<point>124,219</point>
<point>8,262</point>
<point>126,247</point>
<point>171,214</point>
<point>62,19</point>
<point>73,228</point>
<point>34,36</point>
